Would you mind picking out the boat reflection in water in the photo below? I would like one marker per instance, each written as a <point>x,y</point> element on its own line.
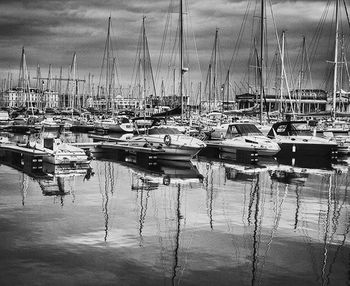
<point>200,223</point>
<point>54,180</point>
<point>165,173</point>
<point>59,179</point>
<point>275,199</point>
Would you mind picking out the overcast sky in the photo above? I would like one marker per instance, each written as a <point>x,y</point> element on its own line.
<point>52,30</point>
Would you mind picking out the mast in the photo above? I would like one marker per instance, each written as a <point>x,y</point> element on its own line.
<point>215,66</point>
<point>60,89</point>
<point>282,74</point>
<point>335,59</point>
<point>301,76</point>
<point>209,100</point>
<point>144,64</point>
<point>200,98</point>
<point>261,59</point>
<point>228,86</point>
<point>181,60</point>
<point>108,87</point>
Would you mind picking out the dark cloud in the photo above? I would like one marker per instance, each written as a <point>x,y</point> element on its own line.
<point>52,30</point>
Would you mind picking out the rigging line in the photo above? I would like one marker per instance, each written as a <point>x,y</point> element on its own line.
<point>150,67</point>
<point>136,66</point>
<point>308,67</point>
<point>165,33</point>
<point>280,52</point>
<point>194,40</point>
<point>173,58</point>
<point>240,34</point>
<point>346,12</point>
<point>314,43</point>
<point>296,63</point>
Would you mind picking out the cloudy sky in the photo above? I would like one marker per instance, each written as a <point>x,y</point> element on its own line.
<point>52,30</point>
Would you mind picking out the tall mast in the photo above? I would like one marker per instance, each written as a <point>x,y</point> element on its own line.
<point>181,60</point>
<point>200,98</point>
<point>228,87</point>
<point>335,58</point>
<point>62,97</point>
<point>209,99</point>
<point>282,74</point>
<point>261,59</point>
<point>144,63</point>
<point>108,86</point>
<point>301,76</point>
<point>215,66</point>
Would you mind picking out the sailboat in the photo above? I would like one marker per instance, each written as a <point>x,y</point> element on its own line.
<point>175,144</point>
<point>119,124</point>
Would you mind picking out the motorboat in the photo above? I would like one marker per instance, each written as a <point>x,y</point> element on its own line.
<point>296,138</point>
<point>339,132</point>
<point>59,153</point>
<point>49,124</point>
<point>174,144</point>
<point>231,137</point>
<point>119,124</point>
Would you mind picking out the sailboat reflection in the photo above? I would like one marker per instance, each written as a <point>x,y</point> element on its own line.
<point>106,178</point>
<point>333,235</point>
<point>166,173</point>
<point>293,175</point>
<point>325,229</point>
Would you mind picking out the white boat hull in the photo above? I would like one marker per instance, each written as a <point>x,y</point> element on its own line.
<point>181,147</point>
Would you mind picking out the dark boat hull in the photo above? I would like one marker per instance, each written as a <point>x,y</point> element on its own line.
<point>307,150</point>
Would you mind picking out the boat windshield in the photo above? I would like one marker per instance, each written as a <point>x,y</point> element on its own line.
<point>163,130</point>
<point>242,130</point>
<point>294,129</point>
<point>248,129</point>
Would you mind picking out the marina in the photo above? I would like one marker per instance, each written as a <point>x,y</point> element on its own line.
<point>174,143</point>
<point>209,221</point>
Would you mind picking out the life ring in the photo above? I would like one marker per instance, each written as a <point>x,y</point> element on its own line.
<point>31,121</point>
<point>167,139</point>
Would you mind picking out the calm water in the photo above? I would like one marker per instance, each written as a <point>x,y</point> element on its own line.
<point>205,223</point>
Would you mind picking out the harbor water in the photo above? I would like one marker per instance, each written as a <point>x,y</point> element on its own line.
<point>207,222</point>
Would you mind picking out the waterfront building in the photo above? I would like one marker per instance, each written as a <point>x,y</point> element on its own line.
<point>303,101</point>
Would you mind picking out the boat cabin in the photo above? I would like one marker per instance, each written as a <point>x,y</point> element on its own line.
<point>163,130</point>
<point>290,128</point>
<point>229,131</point>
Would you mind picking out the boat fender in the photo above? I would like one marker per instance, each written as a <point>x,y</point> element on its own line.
<point>167,139</point>
<point>88,154</point>
<point>166,180</point>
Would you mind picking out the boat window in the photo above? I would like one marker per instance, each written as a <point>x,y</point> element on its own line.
<point>300,129</point>
<point>293,129</point>
<point>163,130</point>
<point>281,129</point>
<point>248,129</point>
<point>124,120</point>
<point>231,132</point>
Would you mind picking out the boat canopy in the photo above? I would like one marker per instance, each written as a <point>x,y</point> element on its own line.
<point>243,129</point>
<point>163,130</point>
<point>289,128</point>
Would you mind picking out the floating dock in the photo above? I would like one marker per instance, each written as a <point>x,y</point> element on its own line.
<point>214,149</point>
<point>29,160</point>
<point>120,150</point>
